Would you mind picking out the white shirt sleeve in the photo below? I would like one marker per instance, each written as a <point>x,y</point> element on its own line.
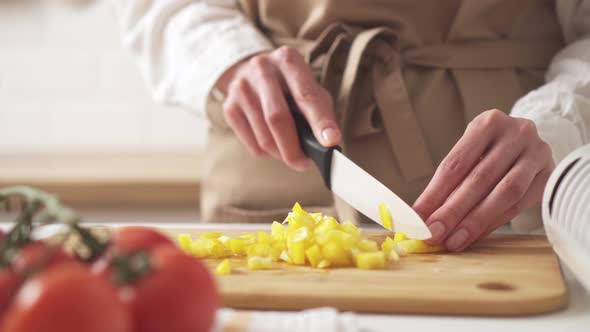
<point>184,46</point>
<point>561,107</point>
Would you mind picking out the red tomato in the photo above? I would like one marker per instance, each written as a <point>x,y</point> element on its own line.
<point>136,237</point>
<point>36,253</point>
<point>9,283</point>
<point>67,298</point>
<point>179,294</point>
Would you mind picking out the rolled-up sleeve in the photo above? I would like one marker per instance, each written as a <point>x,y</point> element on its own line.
<point>182,47</point>
<point>561,107</point>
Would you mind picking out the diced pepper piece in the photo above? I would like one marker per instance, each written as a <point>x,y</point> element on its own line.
<point>263,237</point>
<point>285,257</point>
<point>296,251</point>
<point>392,255</point>
<point>336,255</point>
<point>350,228</point>
<point>278,231</point>
<point>417,246</point>
<point>237,246</point>
<point>385,216</point>
<point>223,239</point>
<point>314,255</point>
<point>324,263</point>
<point>399,236</point>
<point>326,224</point>
<point>317,216</point>
<point>258,249</point>
<point>200,248</point>
<point>299,218</point>
<point>367,245</point>
<point>370,260</point>
<point>223,268</point>
<point>388,244</point>
<point>184,242</point>
<point>259,263</point>
<point>299,235</point>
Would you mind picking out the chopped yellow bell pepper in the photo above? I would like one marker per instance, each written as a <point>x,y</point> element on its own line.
<point>399,236</point>
<point>385,216</point>
<point>285,257</point>
<point>308,238</point>
<point>223,268</point>
<point>336,254</point>
<point>417,246</point>
<point>263,237</point>
<point>324,263</point>
<point>314,255</point>
<point>296,251</point>
<point>370,260</point>
<point>184,242</point>
<point>259,263</point>
<point>278,231</point>
<point>366,245</point>
<point>387,244</point>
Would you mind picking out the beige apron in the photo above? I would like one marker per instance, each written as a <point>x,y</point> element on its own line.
<point>406,77</point>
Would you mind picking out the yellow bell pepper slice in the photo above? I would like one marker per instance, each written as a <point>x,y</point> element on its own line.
<point>223,268</point>
<point>417,246</point>
<point>212,236</point>
<point>385,216</point>
<point>370,260</point>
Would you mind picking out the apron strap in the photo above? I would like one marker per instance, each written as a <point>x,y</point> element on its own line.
<point>404,134</point>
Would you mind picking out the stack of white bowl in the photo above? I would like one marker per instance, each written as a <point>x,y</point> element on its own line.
<point>566,212</point>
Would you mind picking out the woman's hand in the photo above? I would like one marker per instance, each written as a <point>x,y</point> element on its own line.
<point>256,109</point>
<point>497,169</point>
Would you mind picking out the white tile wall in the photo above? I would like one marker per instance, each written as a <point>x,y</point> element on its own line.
<point>67,84</point>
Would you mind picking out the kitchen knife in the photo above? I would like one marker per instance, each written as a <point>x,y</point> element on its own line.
<point>357,187</point>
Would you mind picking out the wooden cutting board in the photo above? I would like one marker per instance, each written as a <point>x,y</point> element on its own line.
<point>502,275</point>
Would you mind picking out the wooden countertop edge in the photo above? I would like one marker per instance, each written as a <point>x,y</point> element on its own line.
<point>160,180</point>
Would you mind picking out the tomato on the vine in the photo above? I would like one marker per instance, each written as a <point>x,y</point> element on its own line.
<point>179,294</point>
<point>133,238</point>
<point>38,255</point>
<point>165,289</point>
<point>67,298</point>
<point>9,283</point>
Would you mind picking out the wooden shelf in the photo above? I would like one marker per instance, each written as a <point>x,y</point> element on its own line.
<point>109,179</point>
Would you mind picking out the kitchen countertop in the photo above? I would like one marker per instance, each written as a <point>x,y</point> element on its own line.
<point>110,179</point>
<point>576,317</point>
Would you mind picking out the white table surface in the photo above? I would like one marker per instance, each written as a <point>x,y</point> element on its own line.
<point>576,317</point>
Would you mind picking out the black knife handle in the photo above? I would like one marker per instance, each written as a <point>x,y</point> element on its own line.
<point>321,155</point>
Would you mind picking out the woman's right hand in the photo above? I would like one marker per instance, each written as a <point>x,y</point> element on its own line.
<point>256,109</point>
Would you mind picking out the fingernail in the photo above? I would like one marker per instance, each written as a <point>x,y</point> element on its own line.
<point>457,240</point>
<point>437,229</point>
<point>330,136</point>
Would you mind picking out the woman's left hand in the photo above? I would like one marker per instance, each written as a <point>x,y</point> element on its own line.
<point>498,169</point>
